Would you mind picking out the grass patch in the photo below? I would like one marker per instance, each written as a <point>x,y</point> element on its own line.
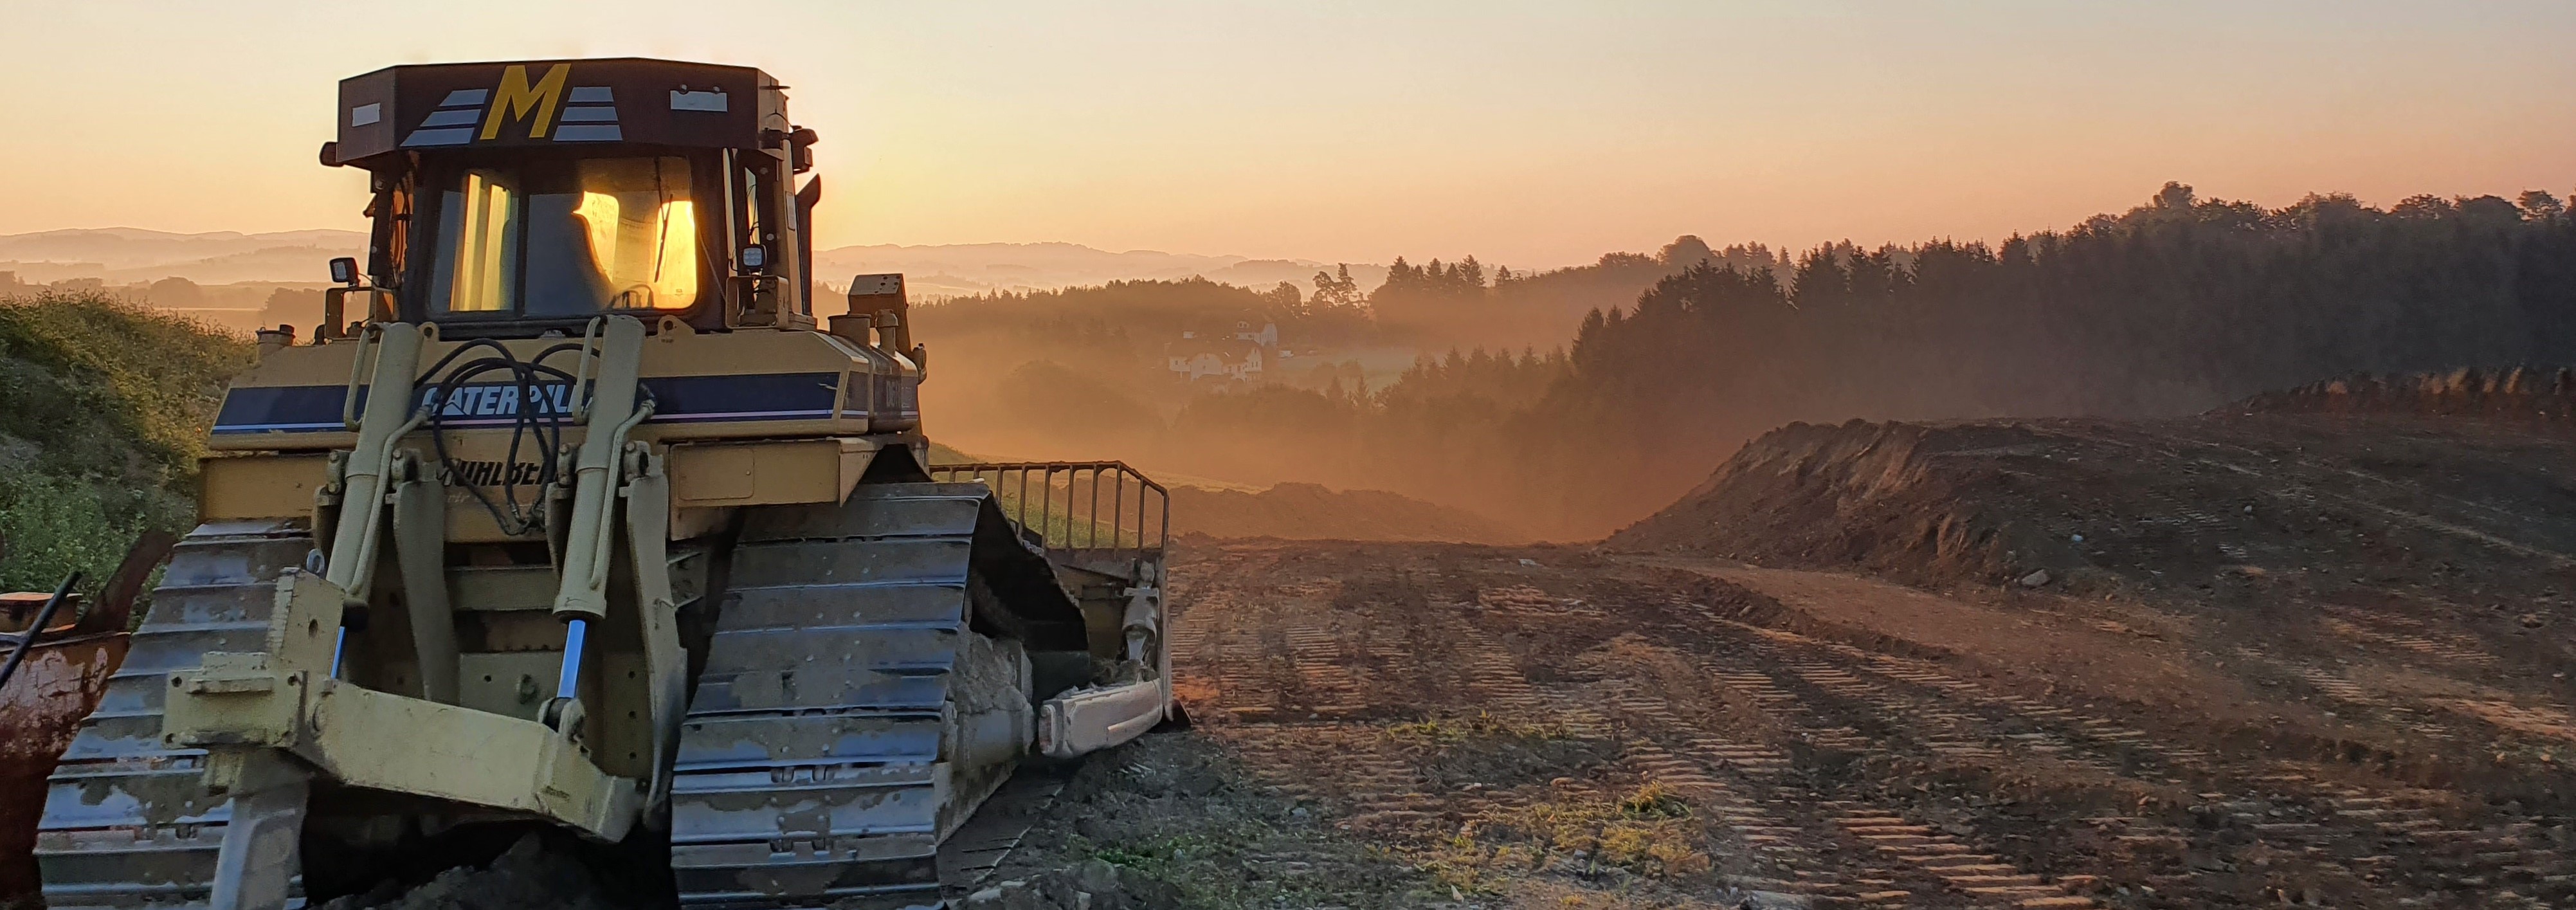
<point>103,413</point>
<point>1480,726</point>
<point>52,526</point>
<point>1648,832</point>
<point>1483,749</point>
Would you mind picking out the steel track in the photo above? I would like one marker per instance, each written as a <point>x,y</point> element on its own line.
<point>126,821</point>
<point>844,726</point>
<point>823,759</point>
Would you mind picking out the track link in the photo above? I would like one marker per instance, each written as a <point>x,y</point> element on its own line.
<point>126,821</point>
<point>849,716</point>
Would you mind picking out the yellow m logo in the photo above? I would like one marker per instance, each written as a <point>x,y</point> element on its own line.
<point>517,99</point>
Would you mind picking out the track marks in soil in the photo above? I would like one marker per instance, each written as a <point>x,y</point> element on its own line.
<point>1825,771</point>
<point>1960,866</point>
<point>2384,845</point>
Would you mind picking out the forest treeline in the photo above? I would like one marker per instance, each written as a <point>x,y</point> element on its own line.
<point>2176,306</point>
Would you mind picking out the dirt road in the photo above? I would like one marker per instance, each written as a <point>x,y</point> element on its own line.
<point>1560,727</point>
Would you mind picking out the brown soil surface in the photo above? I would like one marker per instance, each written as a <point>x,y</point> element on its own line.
<point>2223,509</point>
<point>1563,727</point>
<point>1181,824</point>
<point>1305,511</point>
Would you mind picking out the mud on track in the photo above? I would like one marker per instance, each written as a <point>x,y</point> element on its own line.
<point>1557,727</point>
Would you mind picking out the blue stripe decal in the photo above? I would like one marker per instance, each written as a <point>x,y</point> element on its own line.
<point>677,399</point>
<point>589,132</point>
<point>452,118</point>
<point>439,136</point>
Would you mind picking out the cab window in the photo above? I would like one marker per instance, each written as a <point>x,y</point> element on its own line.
<point>567,238</point>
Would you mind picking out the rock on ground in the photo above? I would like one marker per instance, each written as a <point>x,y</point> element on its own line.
<point>1094,885</point>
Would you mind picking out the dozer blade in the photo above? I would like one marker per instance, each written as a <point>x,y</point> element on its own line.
<point>127,822</point>
<point>849,716</point>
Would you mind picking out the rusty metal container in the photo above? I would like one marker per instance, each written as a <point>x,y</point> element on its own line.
<point>40,708</point>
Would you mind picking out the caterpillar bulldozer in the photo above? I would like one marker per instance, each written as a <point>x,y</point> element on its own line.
<point>573,514</point>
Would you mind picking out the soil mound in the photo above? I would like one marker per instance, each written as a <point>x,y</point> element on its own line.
<point>531,875</point>
<point>1305,511</point>
<point>2200,502</point>
<point>2518,395</point>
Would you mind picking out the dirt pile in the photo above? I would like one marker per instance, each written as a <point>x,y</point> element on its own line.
<point>1928,502</point>
<point>1305,511</point>
<point>2537,398</point>
<point>2226,502</point>
<point>532,875</point>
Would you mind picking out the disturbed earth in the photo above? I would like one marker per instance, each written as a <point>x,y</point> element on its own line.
<point>2238,660</point>
<point>1539,727</point>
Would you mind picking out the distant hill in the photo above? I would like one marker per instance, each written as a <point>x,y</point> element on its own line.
<point>134,255</point>
<point>956,270</point>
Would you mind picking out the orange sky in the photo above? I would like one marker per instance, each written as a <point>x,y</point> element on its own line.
<point>1528,134</point>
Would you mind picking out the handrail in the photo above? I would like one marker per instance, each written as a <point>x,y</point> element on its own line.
<point>1066,513</point>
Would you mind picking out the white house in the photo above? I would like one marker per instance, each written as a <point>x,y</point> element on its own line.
<point>1224,359</point>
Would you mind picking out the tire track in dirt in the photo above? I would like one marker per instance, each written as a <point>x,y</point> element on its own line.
<point>1943,862</point>
<point>1980,875</point>
<point>1317,661</point>
<point>1943,736</point>
<point>2450,650</point>
<point>1873,875</point>
<point>1786,844</point>
<point>2327,820</point>
<point>1299,680</point>
<point>1777,845</point>
<point>1350,764</point>
<point>2344,831</point>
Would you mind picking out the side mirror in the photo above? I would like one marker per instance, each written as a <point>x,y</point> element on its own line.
<point>800,149</point>
<point>344,271</point>
<point>753,258</point>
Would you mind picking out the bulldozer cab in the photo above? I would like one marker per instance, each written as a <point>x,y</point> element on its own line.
<point>514,199</point>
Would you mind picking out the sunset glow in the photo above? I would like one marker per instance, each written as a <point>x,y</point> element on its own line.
<point>1527,134</point>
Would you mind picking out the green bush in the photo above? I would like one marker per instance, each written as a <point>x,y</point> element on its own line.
<point>104,406</point>
<point>50,526</point>
<point>153,377</point>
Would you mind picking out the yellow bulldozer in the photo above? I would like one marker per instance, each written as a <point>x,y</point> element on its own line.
<point>573,513</point>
